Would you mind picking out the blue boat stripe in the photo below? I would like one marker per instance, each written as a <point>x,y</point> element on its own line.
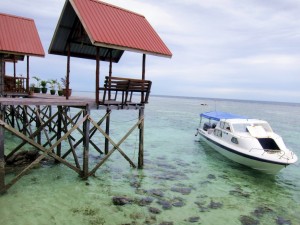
<point>242,154</point>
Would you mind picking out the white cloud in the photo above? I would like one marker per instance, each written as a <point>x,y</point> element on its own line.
<point>221,48</point>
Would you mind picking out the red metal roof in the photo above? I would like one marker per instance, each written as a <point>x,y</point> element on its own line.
<point>19,36</point>
<point>113,27</point>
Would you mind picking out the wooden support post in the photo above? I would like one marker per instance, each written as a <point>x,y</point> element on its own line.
<point>2,160</point>
<point>97,75</point>
<point>12,114</point>
<point>27,73</point>
<point>24,120</point>
<point>110,72</point>
<point>141,139</point>
<point>141,126</point>
<point>15,70</point>
<point>2,74</point>
<point>107,130</point>
<point>38,124</point>
<point>86,137</point>
<point>59,130</point>
<point>50,114</point>
<point>68,72</point>
<point>143,76</point>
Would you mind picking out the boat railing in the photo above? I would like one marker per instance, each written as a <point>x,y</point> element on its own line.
<point>269,151</point>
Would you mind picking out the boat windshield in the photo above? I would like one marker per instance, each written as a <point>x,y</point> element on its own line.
<point>242,127</point>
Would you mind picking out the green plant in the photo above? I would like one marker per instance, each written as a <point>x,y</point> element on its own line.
<point>52,84</point>
<point>38,81</point>
<point>59,86</point>
<point>44,83</point>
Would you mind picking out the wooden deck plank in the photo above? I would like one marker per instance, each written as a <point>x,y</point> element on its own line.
<point>75,101</point>
<point>45,99</point>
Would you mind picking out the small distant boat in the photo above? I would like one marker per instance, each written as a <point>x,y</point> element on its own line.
<point>250,142</point>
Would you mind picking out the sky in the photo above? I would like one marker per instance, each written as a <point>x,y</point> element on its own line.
<point>248,50</point>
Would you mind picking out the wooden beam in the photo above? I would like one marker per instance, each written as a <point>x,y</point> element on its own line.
<point>115,146</point>
<point>45,151</point>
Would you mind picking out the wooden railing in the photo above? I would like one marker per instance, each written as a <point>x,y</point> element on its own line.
<point>125,87</point>
<point>14,84</point>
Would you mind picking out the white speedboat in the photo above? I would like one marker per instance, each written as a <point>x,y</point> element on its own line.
<point>250,142</point>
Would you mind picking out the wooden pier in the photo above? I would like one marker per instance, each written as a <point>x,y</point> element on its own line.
<point>84,30</point>
<point>43,122</point>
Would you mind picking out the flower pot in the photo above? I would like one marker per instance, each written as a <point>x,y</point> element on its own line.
<point>67,93</point>
<point>37,90</point>
<point>44,90</point>
<point>60,92</point>
<point>52,92</point>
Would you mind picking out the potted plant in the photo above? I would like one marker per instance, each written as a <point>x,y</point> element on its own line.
<point>52,86</point>
<point>44,86</point>
<point>59,91</point>
<point>37,88</point>
<point>64,83</point>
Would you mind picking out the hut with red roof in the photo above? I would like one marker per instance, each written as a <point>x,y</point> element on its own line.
<point>18,38</point>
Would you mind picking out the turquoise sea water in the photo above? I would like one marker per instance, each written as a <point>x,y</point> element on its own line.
<point>183,181</point>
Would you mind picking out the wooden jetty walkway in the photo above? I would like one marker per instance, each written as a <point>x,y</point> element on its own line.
<point>84,30</point>
<point>53,125</point>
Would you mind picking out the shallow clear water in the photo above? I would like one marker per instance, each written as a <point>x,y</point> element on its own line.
<point>184,179</point>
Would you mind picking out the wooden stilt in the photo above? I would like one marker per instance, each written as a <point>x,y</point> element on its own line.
<point>68,72</point>
<point>27,74</point>
<point>141,126</point>
<point>38,124</point>
<point>24,114</point>
<point>86,129</point>
<point>141,139</point>
<point>12,113</point>
<point>107,130</point>
<point>2,74</point>
<point>97,74</point>
<point>69,137</point>
<point>2,160</point>
<point>59,130</point>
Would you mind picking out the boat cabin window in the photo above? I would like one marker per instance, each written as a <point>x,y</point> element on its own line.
<point>218,133</point>
<point>266,126</point>
<point>242,127</point>
<point>222,124</point>
<point>225,126</point>
<point>234,140</point>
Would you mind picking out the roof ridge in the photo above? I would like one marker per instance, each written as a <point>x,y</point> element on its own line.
<point>117,7</point>
<point>19,17</point>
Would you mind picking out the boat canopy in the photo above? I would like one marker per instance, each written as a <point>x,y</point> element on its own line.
<point>217,115</point>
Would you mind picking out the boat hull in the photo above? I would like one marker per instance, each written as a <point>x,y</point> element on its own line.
<point>265,166</point>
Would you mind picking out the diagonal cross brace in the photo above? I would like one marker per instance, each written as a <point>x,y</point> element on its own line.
<point>115,146</point>
<point>45,151</point>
